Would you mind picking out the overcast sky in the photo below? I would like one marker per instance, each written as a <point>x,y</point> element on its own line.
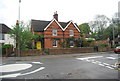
<point>79,11</point>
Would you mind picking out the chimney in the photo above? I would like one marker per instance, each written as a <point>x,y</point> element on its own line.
<point>55,15</point>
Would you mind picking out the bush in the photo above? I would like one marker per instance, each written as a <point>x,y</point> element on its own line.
<point>103,45</point>
<point>7,46</point>
<point>4,48</point>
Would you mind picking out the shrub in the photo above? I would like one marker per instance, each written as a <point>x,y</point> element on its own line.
<point>7,46</point>
<point>103,45</point>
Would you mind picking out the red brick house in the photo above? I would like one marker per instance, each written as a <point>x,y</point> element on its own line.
<point>54,32</point>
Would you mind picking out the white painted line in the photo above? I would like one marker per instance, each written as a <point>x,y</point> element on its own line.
<point>19,74</point>
<point>101,64</point>
<point>37,62</point>
<point>10,75</point>
<point>41,68</point>
<point>94,62</point>
<point>106,64</point>
<point>111,58</point>
<point>109,67</point>
<point>14,67</point>
<point>98,62</point>
<point>89,57</point>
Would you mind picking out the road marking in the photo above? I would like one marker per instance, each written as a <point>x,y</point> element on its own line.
<point>14,67</point>
<point>19,74</point>
<point>111,58</point>
<point>106,64</point>
<point>37,62</point>
<point>101,64</point>
<point>41,68</point>
<point>89,57</point>
<point>10,75</point>
<point>109,67</point>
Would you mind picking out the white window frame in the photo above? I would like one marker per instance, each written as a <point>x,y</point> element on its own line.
<point>55,42</point>
<point>54,32</point>
<point>71,32</point>
<point>73,43</point>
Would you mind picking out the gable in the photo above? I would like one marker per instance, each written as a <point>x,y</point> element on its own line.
<point>71,24</point>
<point>51,23</point>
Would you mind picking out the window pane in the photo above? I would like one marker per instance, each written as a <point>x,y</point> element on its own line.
<point>71,43</point>
<point>54,43</point>
<point>71,33</point>
<point>54,32</point>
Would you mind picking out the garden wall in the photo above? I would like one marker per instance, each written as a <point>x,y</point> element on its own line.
<point>71,50</point>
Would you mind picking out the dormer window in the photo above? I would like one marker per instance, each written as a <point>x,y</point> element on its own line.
<point>54,32</point>
<point>71,32</point>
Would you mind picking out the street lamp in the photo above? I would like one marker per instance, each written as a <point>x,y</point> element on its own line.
<point>18,29</point>
<point>113,32</point>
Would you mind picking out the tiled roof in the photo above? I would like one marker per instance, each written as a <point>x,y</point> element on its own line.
<point>39,25</point>
<point>4,28</point>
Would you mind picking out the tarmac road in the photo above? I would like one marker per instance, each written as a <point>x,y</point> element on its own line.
<point>73,66</point>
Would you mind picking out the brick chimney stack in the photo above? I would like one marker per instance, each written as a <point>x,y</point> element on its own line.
<point>55,15</point>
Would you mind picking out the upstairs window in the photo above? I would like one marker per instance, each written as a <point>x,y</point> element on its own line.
<point>71,44</point>
<point>2,36</point>
<point>71,32</point>
<point>54,43</point>
<point>54,32</point>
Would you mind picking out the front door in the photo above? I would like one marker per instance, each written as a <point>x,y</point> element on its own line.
<point>38,44</point>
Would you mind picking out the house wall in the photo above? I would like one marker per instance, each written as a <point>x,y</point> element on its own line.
<point>8,40</point>
<point>76,32</point>
<point>48,37</point>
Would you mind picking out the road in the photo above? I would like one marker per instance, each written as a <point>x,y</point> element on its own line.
<point>92,66</point>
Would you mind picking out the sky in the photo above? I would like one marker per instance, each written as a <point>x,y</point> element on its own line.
<point>79,11</point>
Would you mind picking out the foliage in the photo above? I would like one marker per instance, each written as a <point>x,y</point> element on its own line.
<point>46,51</point>
<point>22,34</point>
<point>62,44</point>
<point>85,28</point>
<point>103,45</point>
<point>37,36</point>
<point>7,46</point>
<point>90,39</point>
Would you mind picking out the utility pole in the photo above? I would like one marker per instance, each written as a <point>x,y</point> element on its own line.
<point>18,29</point>
<point>113,42</point>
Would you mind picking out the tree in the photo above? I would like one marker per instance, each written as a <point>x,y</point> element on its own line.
<point>99,25</point>
<point>25,35</point>
<point>85,28</point>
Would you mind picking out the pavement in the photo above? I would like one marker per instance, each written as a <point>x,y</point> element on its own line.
<point>34,58</point>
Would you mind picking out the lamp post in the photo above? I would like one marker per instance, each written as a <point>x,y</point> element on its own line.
<point>18,29</point>
<point>113,33</point>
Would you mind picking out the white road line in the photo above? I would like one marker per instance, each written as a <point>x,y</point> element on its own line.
<point>37,62</point>
<point>101,64</point>
<point>89,57</point>
<point>15,67</point>
<point>41,68</point>
<point>111,58</point>
<point>106,64</point>
<point>10,75</point>
<point>109,67</point>
<point>19,74</point>
<point>94,62</point>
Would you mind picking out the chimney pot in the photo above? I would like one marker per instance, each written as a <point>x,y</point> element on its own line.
<point>55,15</point>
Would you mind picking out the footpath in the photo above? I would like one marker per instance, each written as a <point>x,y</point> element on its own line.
<point>35,58</point>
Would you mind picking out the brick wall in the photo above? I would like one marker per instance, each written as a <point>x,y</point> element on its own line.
<point>71,50</point>
<point>31,52</point>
